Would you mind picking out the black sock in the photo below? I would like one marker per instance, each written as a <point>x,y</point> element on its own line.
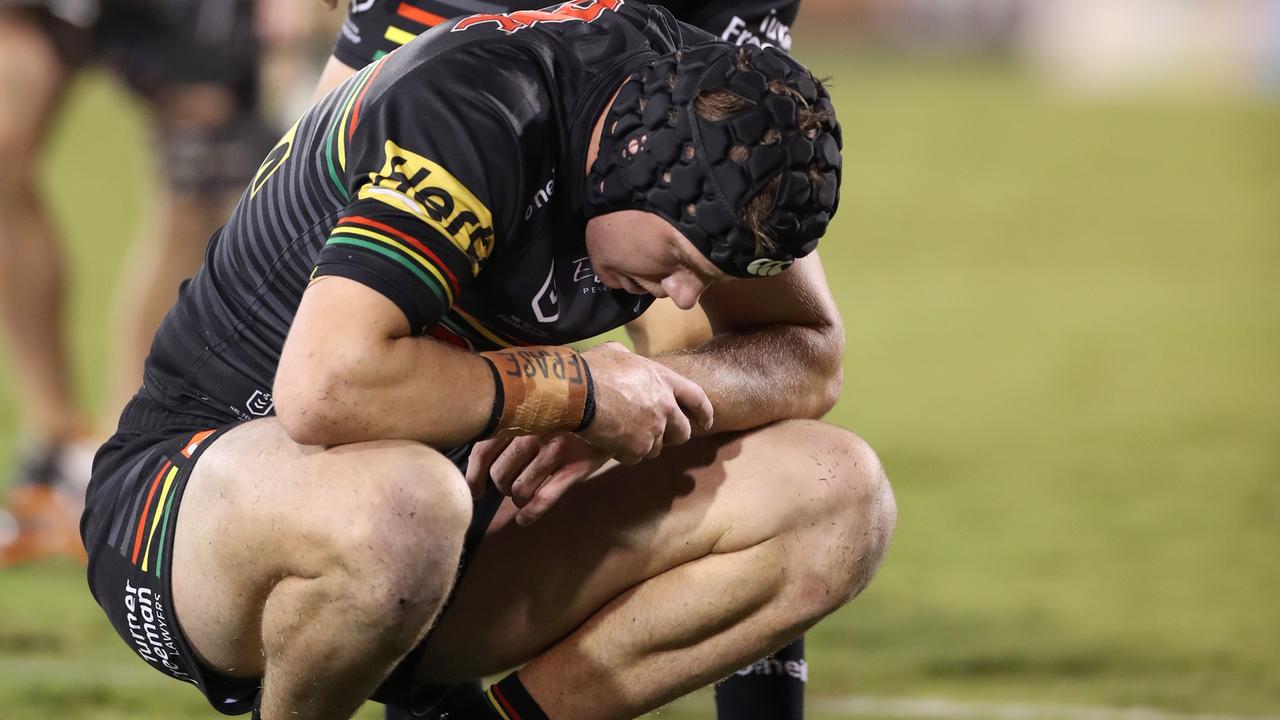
<point>504,700</point>
<point>770,689</point>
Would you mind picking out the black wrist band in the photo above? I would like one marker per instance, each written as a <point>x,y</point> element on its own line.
<point>499,403</point>
<point>589,410</point>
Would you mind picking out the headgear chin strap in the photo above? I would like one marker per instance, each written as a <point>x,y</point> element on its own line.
<point>657,155</point>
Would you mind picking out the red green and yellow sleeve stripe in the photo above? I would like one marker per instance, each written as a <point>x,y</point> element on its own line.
<point>401,248</point>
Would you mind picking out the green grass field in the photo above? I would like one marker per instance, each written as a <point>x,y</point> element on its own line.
<point>1064,339</point>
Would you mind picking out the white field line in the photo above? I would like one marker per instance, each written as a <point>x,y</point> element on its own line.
<point>81,673</point>
<point>945,709</point>
<point>78,673</point>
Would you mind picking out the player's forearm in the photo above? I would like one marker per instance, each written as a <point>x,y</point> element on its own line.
<point>406,388</point>
<point>761,376</point>
<point>666,328</point>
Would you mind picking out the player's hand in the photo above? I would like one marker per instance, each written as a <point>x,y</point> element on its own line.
<point>535,471</point>
<point>641,405</point>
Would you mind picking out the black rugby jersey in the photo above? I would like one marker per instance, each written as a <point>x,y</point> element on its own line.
<point>442,192</point>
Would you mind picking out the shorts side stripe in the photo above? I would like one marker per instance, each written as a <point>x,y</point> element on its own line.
<point>117,539</point>
<point>155,516</point>
<point>195,441</point>
<point>137,540</point>
<point>164,533</point>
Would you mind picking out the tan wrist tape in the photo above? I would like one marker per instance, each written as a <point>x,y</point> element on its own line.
<point>540,389</point>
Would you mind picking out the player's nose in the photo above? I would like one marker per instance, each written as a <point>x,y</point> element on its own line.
<point>684,289</point>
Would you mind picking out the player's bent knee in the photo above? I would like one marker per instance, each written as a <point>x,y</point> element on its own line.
<point>392,551</point>
<point>857,517</point>
<point>404,536</point>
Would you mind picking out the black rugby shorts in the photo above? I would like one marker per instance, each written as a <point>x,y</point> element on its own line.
<point>374,28</point>
<point>139,477</point>
<point>157,44</point>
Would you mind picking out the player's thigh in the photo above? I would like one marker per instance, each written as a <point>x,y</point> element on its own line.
<point>197,72</point>
<point>210,138</point>
<point>259,508</point>
<point>529,587</point>
<point>33,77</point>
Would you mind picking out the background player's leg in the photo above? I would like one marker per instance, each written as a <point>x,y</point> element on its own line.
<point>194,63</point>
<point>33,78</point>
<point>199,179</point>
<point>47,494</point>
<point>317,568</point>
<point>650,581</point>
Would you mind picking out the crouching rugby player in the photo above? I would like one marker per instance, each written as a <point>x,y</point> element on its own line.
<point>367,387</point>
<point>771,688</point>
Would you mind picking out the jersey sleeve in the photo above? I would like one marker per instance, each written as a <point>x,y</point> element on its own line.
<point>427,163</point>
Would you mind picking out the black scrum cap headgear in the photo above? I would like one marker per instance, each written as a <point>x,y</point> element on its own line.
<point>657,154</point>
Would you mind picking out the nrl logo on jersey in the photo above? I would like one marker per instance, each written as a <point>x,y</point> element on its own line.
<point>413,184</point>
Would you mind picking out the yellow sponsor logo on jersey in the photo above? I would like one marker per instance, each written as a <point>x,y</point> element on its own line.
<point>274,160</point>
<point>411,183</point>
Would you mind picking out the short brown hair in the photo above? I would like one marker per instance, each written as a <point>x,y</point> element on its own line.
<point>720,104</point>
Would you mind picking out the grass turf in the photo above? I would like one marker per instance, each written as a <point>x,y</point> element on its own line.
<point>1064,329</point>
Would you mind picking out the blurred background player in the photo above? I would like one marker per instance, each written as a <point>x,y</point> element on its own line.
<point>773,688</point>
<point>194,65</point>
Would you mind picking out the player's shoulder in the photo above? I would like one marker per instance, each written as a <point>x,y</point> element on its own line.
<point>515,68</point>
<point>455,78</point>
<point>586,31</point>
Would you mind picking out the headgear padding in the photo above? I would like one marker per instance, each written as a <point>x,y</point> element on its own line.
<point>656,154</point>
